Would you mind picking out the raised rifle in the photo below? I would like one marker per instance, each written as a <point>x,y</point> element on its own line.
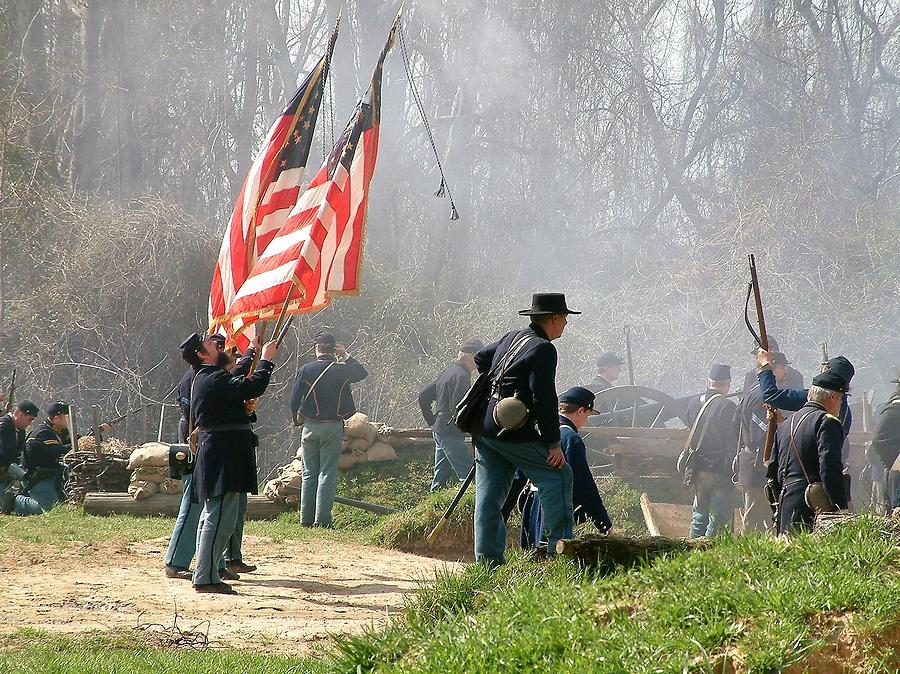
<point>112,422</point>
<point>11,392</point>
<point>762,339</point>
<point>824,356</point>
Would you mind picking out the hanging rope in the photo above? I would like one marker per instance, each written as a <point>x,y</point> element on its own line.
<point>331,104</point>
<point>327,119</point>
<point>444,188</point>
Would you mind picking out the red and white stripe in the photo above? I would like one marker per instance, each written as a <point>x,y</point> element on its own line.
<point>317,252</point>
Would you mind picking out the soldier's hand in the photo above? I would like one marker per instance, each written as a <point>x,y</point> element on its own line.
<point>772,413</point>
<point>270,350</point>
<point>105,426</point>
<point>763,358</point>
<point>250,405</point>
<point>556,458</point>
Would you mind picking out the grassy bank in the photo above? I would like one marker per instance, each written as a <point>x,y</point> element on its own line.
<point>752,603</point>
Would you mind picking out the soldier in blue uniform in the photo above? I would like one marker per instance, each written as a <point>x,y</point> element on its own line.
<point>184,390</point>
<point>44,449</point>
<point>792,377</point>
<point>226,459</point>
<point>183,541</point>
<point>12,442</point>
<point>575,406</point>
<point>323,398</point>
<point>438,403</point>
<point>793,399</point>
<point>609,367</point>
<point>713,437</point>
<point>534,446</point>
<point>886,445</point>
<point>806,459</point>
<point>749,470</point>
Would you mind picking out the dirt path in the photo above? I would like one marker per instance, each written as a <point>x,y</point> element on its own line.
<point>301,593</point>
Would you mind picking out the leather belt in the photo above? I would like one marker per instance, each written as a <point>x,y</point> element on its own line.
<point>225,427</point>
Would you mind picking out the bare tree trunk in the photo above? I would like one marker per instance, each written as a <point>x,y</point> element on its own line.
<point>87,140</point>
<point>36,81</point>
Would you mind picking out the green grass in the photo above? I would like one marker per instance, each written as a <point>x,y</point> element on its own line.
<point>419,520</point>
<point>400,484</point>
<point>32,652</point>
<point>753,596</point>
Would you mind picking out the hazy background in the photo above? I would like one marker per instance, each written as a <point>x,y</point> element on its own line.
<point>627,153</point>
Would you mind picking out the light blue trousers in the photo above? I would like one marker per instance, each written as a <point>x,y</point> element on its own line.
<point>321,444</point>
<point>47,493</point>
<point>713,505</point>
<point>495,464</point>
<point>233,549</point>
<point>451,455</point>
<point>183,542</point>
<point>22,505</point>
<point>216,526</point>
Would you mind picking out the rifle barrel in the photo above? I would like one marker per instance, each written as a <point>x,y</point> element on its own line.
<point>10,396</point>
<point>771,424</point>
<point>757,298</point>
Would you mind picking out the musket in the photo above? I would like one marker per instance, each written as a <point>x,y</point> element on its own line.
<point>823,356</point>
<point>628,354</point>
<point>445,518</point>
<point>762,338</point>
<point>11,392</point>
<point>113,422</point>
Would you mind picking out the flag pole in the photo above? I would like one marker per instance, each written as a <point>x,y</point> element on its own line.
<point>278,325</point>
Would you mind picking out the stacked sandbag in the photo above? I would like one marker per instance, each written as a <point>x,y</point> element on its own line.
<point>150,466</point>
<point>363,442</point>
<point>286,487</point>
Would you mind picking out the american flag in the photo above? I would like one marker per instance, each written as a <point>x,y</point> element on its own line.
<point>269,192</point>
<point>317,252</point>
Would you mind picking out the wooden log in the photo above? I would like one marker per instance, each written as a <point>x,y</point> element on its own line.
<point>610,551</point>
<point>406,433</point>
<point>662,450</point>
<point>352,502</point>
<point>648,515</point>
<point>647,433</point>
<point>166,505</point>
